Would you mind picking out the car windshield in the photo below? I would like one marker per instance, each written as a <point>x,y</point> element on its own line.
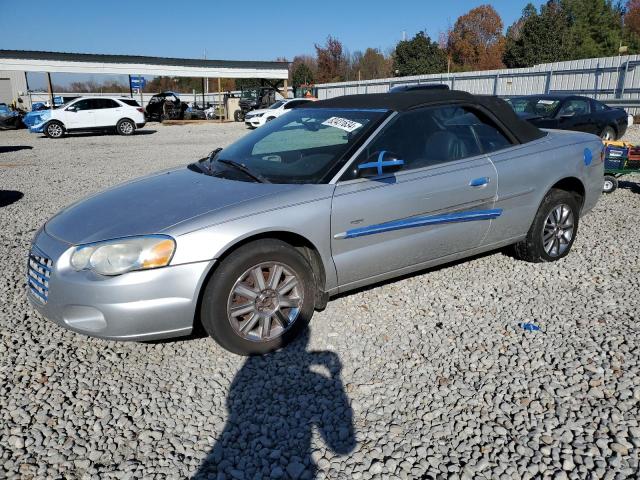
<point>300,147</point>
<point>249,94</point>
<point>542,107</point>
<point>278,104</point>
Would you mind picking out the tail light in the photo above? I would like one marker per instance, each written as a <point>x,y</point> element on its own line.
<point>140,109</point>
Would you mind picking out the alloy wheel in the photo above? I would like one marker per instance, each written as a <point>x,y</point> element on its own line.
<point>265,301</point>
<point>54,130</point>
<point>126,128</point>
<point>558,230</point>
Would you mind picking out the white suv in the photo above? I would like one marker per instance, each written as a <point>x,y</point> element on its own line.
<point>256,118</point>
<point>93,113</point>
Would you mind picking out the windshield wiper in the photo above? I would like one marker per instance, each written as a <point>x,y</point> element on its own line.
<point>244,169</point>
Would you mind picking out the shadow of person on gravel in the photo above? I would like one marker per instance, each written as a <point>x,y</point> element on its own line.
<point>274,403</point>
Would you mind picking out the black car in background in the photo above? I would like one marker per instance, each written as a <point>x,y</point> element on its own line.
<point>571,112</point>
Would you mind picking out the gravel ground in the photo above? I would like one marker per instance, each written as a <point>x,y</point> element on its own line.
<point>427,376</point>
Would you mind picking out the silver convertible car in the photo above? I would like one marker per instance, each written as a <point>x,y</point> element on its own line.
<point>339,194</point>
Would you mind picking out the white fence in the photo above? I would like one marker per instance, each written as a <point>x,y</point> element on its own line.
<point>614,80</point>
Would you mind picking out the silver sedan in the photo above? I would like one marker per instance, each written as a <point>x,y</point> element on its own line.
<point>342,193</point>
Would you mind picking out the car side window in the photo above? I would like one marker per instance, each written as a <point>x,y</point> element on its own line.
<point>575,106</point>
<point>83,105</point>
<point>599,107</point>
<point>294,104</point>
<point>433,136</point>
<point>107,103</point>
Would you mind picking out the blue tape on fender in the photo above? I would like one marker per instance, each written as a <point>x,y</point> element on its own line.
<point>588,156</point>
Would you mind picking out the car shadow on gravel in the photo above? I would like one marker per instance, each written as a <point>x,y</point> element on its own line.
<point>14,148</point>
<point>275,402</point>
<point>504,251</point>
<point>7,197</point>
<point>633,186</point>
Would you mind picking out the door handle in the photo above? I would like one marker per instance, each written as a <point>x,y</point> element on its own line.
<point>479,182</point>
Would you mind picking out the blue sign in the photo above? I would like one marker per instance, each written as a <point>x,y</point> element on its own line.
<point>138,82</point>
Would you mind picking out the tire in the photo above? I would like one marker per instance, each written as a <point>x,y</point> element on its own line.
<point>125,127</point>
<point>238,116</point>
<point>54,129</point>
<point>267,324</point>
<point>269,119</point>
<point>608,134</point>
<point>610,184</point>
<point>535,247</point>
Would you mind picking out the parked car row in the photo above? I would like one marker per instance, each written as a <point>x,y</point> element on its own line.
<point>330,196</point>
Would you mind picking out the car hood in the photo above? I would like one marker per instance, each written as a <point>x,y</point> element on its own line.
<point>257,112</point>
<point>151,205</point>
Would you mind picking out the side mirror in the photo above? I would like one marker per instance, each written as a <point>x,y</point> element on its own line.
<point>72,109</point>
<point>380,163</point>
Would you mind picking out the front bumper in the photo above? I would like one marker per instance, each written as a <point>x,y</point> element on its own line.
<point>253,122</point>
<point>144,305</point>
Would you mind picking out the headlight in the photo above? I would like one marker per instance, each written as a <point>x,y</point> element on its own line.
<point>114,257</point>
<point>258,114</point>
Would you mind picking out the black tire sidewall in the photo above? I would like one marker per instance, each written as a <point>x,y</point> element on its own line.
<point>552,200</point>
<point>213,311</point>
<point>119,126</point>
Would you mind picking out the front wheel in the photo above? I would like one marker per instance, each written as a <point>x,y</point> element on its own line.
<point>553,230</point>
<point>610,184</point>
<point>259,298</point>
<point>125,127</point>
<point>238,116</point>
<point>54,130</point>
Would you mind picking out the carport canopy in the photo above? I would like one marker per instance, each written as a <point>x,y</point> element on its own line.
<point>61,62</point>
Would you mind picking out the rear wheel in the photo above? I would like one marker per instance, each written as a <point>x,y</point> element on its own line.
<point>125,127</point>
<point>608,134</point>
<point>238,116</point>
<point>54,129</point>
<point>259,298</point>
<point>553,230</point>
<point>610,184</point>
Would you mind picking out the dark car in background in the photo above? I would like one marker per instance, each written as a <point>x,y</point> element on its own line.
<point>165,106</point>
<point>572,112</point>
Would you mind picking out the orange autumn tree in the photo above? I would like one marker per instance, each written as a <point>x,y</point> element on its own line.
<point>476,41</point>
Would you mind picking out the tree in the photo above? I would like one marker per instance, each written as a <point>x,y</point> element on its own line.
<point>476,41</point>
<point>596,27</point>
<point>301,74</point>
<point>418,56</point>
<point>632,16</point>
<point>331,61</point>
<point>373,64</point>
<point>539,38</point>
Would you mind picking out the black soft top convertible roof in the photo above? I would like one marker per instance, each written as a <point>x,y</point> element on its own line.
<point>522,130</point>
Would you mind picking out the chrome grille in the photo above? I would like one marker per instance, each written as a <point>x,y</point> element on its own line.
<point>38,275</point>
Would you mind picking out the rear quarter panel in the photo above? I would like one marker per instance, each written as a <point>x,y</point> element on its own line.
<point>527,172</point>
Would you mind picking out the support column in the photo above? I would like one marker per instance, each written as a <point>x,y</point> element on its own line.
<point>50,87</point>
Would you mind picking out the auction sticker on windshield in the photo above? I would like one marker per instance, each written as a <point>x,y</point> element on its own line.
<point>342,123</point>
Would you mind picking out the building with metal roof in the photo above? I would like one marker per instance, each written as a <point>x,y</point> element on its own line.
<point>15,63</point>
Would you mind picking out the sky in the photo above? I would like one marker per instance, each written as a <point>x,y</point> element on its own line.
<point>241,30</point>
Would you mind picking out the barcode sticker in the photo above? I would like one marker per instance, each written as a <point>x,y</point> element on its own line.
<point>342,124</point>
